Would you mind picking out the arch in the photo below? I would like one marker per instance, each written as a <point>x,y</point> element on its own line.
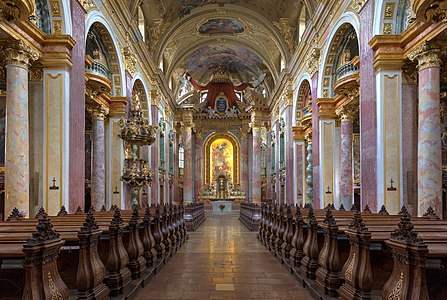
<point>391,16</point>
<point>346,18</point>
<point>67,27</point>
<point>97,17</point>
<point>146,87</point>
<point>236,155</point>
<point>298,86</point>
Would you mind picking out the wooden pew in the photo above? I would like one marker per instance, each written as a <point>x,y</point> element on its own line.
<point>115,253</point>
<point>326,232</point>
<point>194,215</point>
<point>250,216</point>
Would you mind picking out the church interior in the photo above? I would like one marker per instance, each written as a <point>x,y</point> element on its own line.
<point>223,149</point>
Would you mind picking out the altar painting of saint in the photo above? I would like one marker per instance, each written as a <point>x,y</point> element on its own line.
<point>221,158</point>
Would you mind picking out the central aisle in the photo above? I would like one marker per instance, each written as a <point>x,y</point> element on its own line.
<point>223,260</point>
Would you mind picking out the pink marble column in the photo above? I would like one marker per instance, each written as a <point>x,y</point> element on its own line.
<point>244,161</point>
<point>429,132</point>
<point>154,160</point>
<point>199,177</point>
<point>289,157</point>
<point>256,169</point>
<point>98,158</point>
<point>315,146</point>
<point>175,186</point>
<point>299,173</point>
<point>187,178</point>
<point>77,110</point>
<point>409,138</point>
<point>346,180</point>
<point>368,111</point>
<point>17,58</point>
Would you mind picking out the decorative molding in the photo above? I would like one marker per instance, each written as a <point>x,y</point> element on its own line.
<point>17,53</point>
<point>427,55</point>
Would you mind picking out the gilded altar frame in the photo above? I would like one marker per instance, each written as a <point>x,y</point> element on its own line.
<point>236,150</point>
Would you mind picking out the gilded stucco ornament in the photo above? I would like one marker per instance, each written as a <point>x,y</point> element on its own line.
<point>427,54</point>
<point>437,12</point>
<point>18,53</point>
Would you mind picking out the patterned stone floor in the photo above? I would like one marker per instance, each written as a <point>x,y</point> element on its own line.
<point>223,260</point>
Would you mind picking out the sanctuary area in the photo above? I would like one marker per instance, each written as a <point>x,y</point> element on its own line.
<point>139,137</point>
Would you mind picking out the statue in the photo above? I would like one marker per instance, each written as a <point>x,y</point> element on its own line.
<point>345,57</point>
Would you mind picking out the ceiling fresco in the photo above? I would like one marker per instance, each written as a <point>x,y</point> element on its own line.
<point>222,26</point>
<point>241,62</point>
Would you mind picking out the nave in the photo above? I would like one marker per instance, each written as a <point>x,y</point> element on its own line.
<point>223,260</point>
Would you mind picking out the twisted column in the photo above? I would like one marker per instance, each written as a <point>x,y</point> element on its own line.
<point>346,180</point>
<point>310,179</point>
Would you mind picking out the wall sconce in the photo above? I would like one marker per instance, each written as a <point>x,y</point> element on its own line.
<point>391,188</point>
<point>54,187</point>
<point>116,190</point>
<point>144,192</point>
<point>328,190</point>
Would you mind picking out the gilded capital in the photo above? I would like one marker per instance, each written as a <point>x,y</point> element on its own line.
<point>437,12</point>
<point>17,53</point>
<point>14,10</point>
<point>98,112</point>
<point>427,56</point>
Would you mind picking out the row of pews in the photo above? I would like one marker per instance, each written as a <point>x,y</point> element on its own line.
<point>194,215</point>
<point>94,255</point>
<point>339,254</point>
<point>250,216</point>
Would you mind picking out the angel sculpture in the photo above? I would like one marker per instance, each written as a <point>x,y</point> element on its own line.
<point>185,85</point>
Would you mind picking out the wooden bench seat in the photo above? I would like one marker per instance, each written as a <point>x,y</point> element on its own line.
<point>316,244</point>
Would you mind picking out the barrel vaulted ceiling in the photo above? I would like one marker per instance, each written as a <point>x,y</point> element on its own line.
<point>247,37</point>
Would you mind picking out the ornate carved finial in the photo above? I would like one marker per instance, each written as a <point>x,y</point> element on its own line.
<point>383,211</point>
<point>367,209</point>
<point>103,208</point>
<point>44,232</point>
<point>405,232</point>
<point>147,215</point>
<point>289,212</point>
<point>430,213</point>
<point>78,210</point>
<point>342,207</point>
<point>298,212</point>
<point>135,216</point>
<point>311,215</point>
<point>357,223</point>
<point>62,212</point>
<point>114,207</point>
<point>353,208</point>
<point>41,213</point>
<point>89,223</point>
<point>15,215</point>
<point>92,209</point>
<point>329,219</point>
<point>307,205</point>
<point>117,220</point>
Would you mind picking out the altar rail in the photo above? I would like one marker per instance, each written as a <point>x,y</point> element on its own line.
<point>194,215</point>
<point>91,256</point>
<point>250,216</point>
<point>339,254</point>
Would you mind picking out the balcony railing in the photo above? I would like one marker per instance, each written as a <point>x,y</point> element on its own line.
<point>99,69</point>
<point>346,70</point>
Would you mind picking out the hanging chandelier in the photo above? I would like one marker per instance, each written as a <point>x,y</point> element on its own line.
<point>136,129</point>
<point>137,174</point>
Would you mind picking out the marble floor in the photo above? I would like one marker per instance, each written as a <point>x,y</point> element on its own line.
<point>223,260</point>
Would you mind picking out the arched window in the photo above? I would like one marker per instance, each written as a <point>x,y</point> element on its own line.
<point>282,145</point>
<point>141,22</point>
<point>181,159</point>
<point>162,126</point>
<point>273,137</point>
<point>302,20</point>
<point>171,152</point>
